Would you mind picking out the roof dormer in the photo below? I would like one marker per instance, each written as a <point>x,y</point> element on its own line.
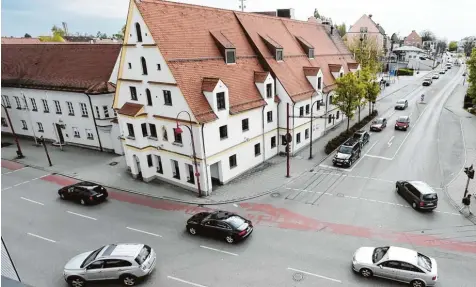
<point>306,46</point>
<point>314,76</point>
<point>337,70</point>
<point>274,48</point>
<point>353,67</point>
<point>227,49</point>
<point>265,84</point>
<point>216,93</point>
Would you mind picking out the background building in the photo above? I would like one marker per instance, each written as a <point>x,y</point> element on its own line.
<point>413,40</point>
<point>366,28</point>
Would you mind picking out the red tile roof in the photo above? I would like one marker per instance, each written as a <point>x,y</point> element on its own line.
<point>335,68</point>
<point>183,33</point>
<point>220,38</point>
<point>78,68</point>
<point>311,71</point>
<point>260,77</point>
<point>209,84</point>
<point>353,66</point>
<point>130,109</point>
<point>12,40</point>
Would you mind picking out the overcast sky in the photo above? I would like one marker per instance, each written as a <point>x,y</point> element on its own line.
<point>452,20</point>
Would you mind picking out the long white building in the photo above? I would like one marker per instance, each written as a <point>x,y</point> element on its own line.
<point>63,92</point>
<point>231,74</point>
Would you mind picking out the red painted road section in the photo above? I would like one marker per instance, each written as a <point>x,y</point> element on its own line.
<point>11,165</point>
<point>269,215</point>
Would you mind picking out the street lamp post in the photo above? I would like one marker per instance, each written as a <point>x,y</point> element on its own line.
<point>312,116</point>
<point>19,152</point>
<point>178,130</point>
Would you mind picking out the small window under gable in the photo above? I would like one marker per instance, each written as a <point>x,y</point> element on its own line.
<point>230,56</point>
<point>227,49</point>
<point>311,53</point>
<point>279,54</point>
<point>336,70</point>
<point>274,48</point>
<point>138,32</point>
<point>306,46</point>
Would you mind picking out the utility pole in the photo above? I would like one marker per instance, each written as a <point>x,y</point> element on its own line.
<point>470,173</point>
<point>242,5</point>
<point>43,142</point>
<point>19,152</point>
<point>288,139</point>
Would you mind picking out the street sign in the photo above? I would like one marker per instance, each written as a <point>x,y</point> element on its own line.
<point>289,137</point>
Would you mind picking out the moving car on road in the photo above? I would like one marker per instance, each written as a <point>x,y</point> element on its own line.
<point>363,137</point>
<point>378,125</point>
<point>443,71</point>
<point>396,263</point>
<point>403,123</point>
<point>347,153</point>
<point>435,76</point>
<point>419,194</point>
<point>427,82</point>
<point>127,262</point>
<point>401,104</point>
<point>84,192</point>
<point>220,224</point>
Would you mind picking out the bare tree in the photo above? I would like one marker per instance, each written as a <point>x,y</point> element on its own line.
<point>427,35</point>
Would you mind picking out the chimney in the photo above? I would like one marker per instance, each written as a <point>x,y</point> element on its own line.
<point>370,16</point>
<point>332,30</point>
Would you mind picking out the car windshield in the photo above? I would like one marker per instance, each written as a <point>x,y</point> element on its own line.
<point>378,254</point>
<point>401,102</point>
<point>431,196</point>
<point>143,254</point>
<point>91,257</point>
<point>357,136</point>
<point>378,121</point>
<point>235,221</point>
<point>345,149</point>
<point>424,262</point>
<point>402,119</point>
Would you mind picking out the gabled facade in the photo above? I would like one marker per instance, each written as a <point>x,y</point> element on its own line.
<point>367,28</point>
<point>62,92</point>
<point>413,40</point>
<point>231,76</point>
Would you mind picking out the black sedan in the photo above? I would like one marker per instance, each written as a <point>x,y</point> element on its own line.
<point>84,192</point>
<point>220,224</point>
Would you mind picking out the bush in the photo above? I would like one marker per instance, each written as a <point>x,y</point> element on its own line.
<point>405,72</point>
<point>342,137</point>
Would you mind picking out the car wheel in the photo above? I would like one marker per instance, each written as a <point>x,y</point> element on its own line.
<point>82,201</point>
<point>229,239</point>
<point>76,281</point>
<point>405,129</point>
<point>366,272</point>
<point>128,280</point>
<point>350,162</point>
<point>414,205</point>
<point>192,230</point>
<point>417,283</point>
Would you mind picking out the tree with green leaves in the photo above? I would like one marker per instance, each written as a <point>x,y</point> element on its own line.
<point>471,66</point>
<point>101,35</point>
<point>316,14</point>
<point>468,47</point>
<point>370,86</point>
<point>342,29</point>
<point>57,35</point>
<point>27,35</point>
<point>120,35</point>
<point>453,46</point>
<point>348,95</point>
<point>366,53</point>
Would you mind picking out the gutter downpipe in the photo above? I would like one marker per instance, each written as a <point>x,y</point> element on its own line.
<point>262,122</point>
<point>205,160</point>
<point>294,131</point>
<point>94,120</point>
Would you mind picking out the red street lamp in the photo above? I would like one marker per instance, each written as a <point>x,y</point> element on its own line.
<point>178,130</point>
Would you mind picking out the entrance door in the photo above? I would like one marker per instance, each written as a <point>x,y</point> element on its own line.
<point>191,176</point>
<point>59,130</point>
<point>137,163</point>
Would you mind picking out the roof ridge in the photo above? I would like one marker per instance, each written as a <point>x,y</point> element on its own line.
<point>184,4</point>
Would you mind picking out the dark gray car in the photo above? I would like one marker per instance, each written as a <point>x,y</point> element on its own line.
<point>419,194</point>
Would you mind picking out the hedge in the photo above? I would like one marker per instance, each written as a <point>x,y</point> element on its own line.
<point>405,72</point>
<point>340,139</point>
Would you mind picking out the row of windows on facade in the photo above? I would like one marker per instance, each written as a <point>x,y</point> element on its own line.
<point>46,108</point>
<point>167,96</point>
<point>76,133</point>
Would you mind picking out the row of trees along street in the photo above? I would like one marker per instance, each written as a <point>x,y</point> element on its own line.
<point>471,66</point>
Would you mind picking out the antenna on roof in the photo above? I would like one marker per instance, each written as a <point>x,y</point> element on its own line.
<point>242,6</point>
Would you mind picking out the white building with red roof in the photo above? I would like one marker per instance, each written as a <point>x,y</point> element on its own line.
<point>234,73</point>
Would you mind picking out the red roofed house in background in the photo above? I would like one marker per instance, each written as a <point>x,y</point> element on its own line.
<point>62,92</point>
<point>233,73</point>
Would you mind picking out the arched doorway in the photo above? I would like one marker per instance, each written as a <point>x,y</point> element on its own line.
<point>136,162</point>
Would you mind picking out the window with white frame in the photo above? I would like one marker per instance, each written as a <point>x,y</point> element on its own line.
<point>40,127</point>
<point>84,110</point>
<point>46,108</point>
<point>76,132</point>
<point>17,101</point>
<point>70,108</point>
<point>34,107</point>
<point>58,107</point>
<point>24,126</point>
<point>106,111</point>
<point>6,101</point>
<point>89,134</point>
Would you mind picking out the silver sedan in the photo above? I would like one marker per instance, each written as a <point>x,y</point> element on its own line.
<point>396,263</point>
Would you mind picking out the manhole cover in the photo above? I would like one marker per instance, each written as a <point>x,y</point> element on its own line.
<point>113,163</point>
<point>340,195</point>
<point>275,194</point>
<point>298,277</point>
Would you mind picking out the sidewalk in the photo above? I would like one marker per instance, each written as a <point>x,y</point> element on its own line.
<point>110,170</point>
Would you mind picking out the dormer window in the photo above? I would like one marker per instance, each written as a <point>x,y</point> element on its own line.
<point>230,56</point>
<point>341,75</point>
<point>221,101</point>
<point>279,54</point>
<point>311,54</point>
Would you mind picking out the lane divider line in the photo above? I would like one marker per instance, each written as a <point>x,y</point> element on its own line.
<point>218,250</point>
<point>6,188</point>
<point>21,183</point>
<point>145,232</point>
<point>24,198</point>
<point>185,281</point>
<point>15,170</point>
<point>315,275</point>
<point>80,215</point>
<point>41,237</point>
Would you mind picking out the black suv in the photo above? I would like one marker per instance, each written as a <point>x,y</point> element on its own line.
<point>348,153</point>
<point>419,194</point>
<point>84,192</point>
<point>363,137</point>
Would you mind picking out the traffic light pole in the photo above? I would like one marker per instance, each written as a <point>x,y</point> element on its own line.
<point>287,142</point>
<point>470,173</point>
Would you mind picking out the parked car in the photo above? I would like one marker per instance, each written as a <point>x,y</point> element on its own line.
<point>435,76</point>
<point>348,153</point>
<point>362,136</point>
<point>403,123</point>
<point>127,262</point>
<point>464,74</point>
<point>378,125</point>
<point>401,104</point>
<point>220,224</point>
<point>84,192</point>
<point>396,263</point>
<point>419,194</point>
<point>442,71</point>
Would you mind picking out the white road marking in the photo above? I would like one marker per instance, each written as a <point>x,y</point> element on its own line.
<point>15,170</point>
<point>380,157</point>
<point>334,168</point>
<point>21,183</point>
<point>218,250</point>
<point>6,188</point>
<point>445,212</point>
<point>371,147</point>
<point>313,274</point>
<point>186,282</point>
<point>41,237</point>
<point>74,213</point>
<point>36,178</point>
<point>235,205</point>
<point>389,143</point>
<point>31,201</point>
<point>142,231</point>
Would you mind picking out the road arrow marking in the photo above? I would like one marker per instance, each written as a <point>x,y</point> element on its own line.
<point>390,141</point>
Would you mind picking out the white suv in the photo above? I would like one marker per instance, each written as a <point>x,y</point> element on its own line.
<point>126,262</point>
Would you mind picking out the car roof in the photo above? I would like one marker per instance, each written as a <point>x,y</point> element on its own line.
<point>402,100</point>
<point>402,254</point>
<point>221,214</point>
<point>350,142</point>
<point>361,132</point>
<point>423,187</point>
<point>86,184</point>
<point>121,250</point>
<point>403,117</point>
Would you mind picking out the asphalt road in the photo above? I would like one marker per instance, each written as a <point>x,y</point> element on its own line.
<point>305,234</point>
